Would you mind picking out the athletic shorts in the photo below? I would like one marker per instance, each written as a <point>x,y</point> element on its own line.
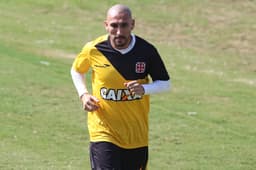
<point>107,156</point>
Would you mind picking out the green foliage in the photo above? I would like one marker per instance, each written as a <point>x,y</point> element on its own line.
<point>207,121</point>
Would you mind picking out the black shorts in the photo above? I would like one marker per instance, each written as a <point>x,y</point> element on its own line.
<point>107,156</point>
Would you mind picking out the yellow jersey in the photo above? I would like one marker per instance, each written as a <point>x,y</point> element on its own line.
<point>122,118</point>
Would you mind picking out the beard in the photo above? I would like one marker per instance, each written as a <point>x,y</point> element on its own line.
<point>120,42</point>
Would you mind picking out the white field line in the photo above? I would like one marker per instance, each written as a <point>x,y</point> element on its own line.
<point>247,81</point>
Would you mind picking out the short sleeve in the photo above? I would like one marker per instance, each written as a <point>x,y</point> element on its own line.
<point>81,63</point>
<point>157,69</point>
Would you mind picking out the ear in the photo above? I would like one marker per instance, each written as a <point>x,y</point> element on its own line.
<point>106,25</point>
<point>133,24</point>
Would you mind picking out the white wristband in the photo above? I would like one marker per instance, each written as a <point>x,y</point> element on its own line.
<point>157,86</point>
<point>79,82</point>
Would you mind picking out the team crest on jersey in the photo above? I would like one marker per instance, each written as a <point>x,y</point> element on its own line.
<point>140,67</point>
<point>118,94</point>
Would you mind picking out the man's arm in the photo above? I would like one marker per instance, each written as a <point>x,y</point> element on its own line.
<point>90,103</point>
<point>79,82</point>
<point>156,86</point>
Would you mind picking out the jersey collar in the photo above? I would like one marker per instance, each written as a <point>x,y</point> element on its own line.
<point>130,47</point>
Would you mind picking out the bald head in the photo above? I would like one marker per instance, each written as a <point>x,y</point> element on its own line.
<point>117,9</point>
<point>119,24</point>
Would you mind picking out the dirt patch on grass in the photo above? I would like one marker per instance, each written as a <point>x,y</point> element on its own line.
<point>57,53</point>
<point>246,81</point>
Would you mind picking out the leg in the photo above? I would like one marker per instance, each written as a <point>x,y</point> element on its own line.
<point>104,156</point>
<point>135,159</point>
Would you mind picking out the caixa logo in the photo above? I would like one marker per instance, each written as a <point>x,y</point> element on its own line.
<point>118,94</point>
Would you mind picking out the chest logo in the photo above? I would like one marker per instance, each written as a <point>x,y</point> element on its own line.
<point>140,67</point>
<point>118,94</point>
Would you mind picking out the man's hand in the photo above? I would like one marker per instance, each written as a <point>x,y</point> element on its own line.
<point>90,103</point>
<point>135,87</point>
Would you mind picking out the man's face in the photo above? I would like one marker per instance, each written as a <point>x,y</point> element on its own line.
<point>119,26</point>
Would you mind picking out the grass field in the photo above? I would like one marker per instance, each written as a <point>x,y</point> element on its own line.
<point>207,121</point>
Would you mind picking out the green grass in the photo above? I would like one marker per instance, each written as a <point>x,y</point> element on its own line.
<point>207,121</point>
<point>39,130</point>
